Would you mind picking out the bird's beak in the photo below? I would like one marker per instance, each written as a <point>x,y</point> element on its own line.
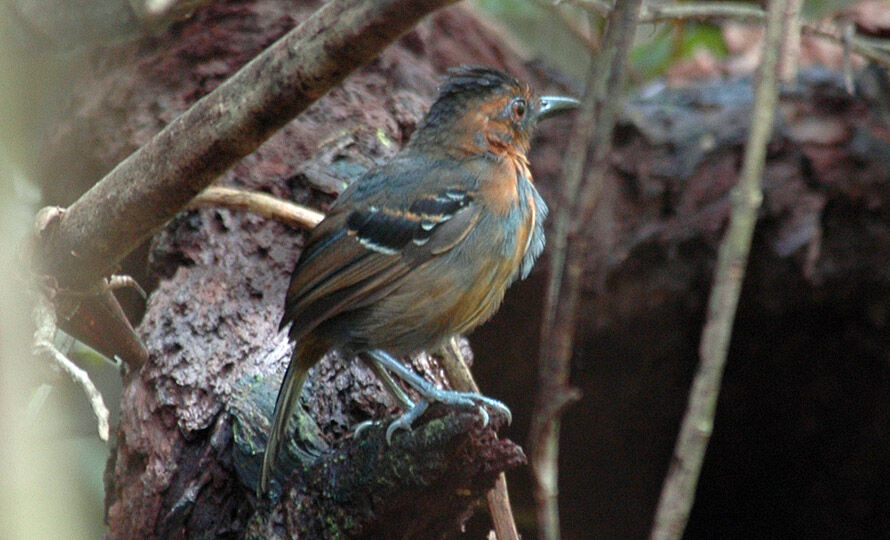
<point>551,105</point>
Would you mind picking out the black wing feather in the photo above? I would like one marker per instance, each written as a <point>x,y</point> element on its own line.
<point>389,230</point>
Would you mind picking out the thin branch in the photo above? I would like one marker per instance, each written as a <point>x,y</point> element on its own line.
<point>874,49</point>
<point>848,33</point>
<point>867,47</point>
<point>592,129</point>
<point>456,368</point>
<point>678,493</point>
<point>498,498</point>
<point>789,51</point>
<point>880,44</point>
<point>149,187</point>
<point>862,46</point>
<point>45,330</point>
<point>118,281</point>
<point>701,10</point>
<point>290,213</point>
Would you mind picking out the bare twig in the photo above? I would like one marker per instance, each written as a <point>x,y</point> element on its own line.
<point>730,10</point>
<point>789,53</point>
<point>290,213</point>
<point>112,282</point>
<point>498,497</point>
<point>118,281</point>
<point>593,128</point>
<point>701,10</point>
<point>45,330</point>
<point>848,33</point>
<point>148,188</point>
<point>874,49</point>
<point>679,488</point>
<point>456,368</point>
<point>862,46</point>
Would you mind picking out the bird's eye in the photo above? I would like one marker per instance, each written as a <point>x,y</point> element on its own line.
<point>519,106</point>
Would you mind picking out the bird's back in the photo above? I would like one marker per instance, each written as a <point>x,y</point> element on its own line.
<point>405,242</point>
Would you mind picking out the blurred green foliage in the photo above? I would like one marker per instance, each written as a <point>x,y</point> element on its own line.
<point>536,27</point>
<point>672,42</point>
<point>540,32</point>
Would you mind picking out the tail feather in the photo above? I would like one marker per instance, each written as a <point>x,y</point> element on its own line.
<point>307,352</point>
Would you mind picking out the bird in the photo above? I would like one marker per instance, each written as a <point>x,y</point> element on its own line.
<point>422,247</point>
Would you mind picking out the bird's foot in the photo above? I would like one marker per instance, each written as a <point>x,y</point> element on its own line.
<point>403,421</point>
<point>430,393</point>
<point>359,429</point>
<point>406,419</point>
<point>470,400</point>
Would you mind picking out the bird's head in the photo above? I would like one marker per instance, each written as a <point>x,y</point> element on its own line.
<point>484,109</point>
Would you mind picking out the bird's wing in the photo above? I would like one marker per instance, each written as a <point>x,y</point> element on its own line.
<point>360,252</point>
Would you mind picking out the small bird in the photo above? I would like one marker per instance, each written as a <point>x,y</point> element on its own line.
<point>421,248</point>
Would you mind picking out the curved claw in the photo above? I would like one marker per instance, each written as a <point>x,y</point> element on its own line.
<point>360,427</point>
<point>406,419</point>
<point>494,405</point>
<point>485,417</point>
<point>395,425</point>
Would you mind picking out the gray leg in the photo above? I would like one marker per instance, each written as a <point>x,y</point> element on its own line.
<point>391,386</point>
<point>430,393</point>
<point>411,410</point>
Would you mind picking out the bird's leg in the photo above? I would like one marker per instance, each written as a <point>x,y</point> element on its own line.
<point>391,385</point>
<point>413,411</point>
<point>430,393</point>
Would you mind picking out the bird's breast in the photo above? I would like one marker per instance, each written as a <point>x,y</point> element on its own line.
<point>499,183</point>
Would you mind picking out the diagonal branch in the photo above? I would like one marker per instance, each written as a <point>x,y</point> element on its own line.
<point>678,492</point>
<point>498,498</point>
<point>154,183</point>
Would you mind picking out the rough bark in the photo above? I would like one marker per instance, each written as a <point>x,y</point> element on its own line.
<point>806,385</point>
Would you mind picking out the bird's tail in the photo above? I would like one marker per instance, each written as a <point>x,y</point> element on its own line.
<point>307,352</point>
